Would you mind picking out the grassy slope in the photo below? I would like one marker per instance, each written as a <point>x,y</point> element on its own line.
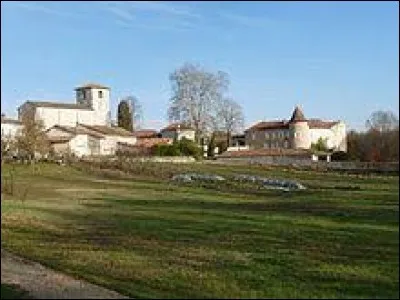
<point>154,239</point>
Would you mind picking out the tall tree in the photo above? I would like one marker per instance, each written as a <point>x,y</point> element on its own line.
<point>124,115</point>
<point>230,117</point>
<point>196,93</point>
<point>382,121</point>
<point>32,139</point>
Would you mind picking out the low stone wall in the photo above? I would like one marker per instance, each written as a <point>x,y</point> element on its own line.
<point>306,162</point>
<point>268,160</point>
<point>170,159</point>
<point>362,166</point>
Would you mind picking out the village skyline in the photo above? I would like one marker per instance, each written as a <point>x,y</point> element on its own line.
<point>345,69</point>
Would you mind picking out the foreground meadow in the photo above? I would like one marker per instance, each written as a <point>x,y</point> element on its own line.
<point>146,237</point>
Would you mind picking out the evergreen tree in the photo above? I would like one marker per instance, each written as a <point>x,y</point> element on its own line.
<point>125,116</point>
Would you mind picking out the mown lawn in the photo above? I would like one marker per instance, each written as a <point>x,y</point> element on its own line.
<point>149,238</point>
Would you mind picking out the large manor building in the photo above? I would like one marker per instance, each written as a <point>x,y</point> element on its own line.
<point>296,133</point>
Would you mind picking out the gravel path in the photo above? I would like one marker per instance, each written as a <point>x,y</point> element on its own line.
<point>43,283</point>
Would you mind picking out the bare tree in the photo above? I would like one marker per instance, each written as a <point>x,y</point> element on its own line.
<point>382,121</point>
<point>196,93</point>
<point>230,117</point>
<point>32,139</point>
<point>136,111</point>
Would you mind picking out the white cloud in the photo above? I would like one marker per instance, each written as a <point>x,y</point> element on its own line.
<point>35,7</point>
<point>163,8</point>
<point>248,21</point>
<point>121,13</point>
<point>151,15</point>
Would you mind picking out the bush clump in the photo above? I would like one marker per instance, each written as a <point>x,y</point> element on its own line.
<point>184,147</point>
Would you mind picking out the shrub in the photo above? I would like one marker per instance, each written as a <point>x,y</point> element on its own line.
<point>166,150</point>
<point>184,147</point>
<point>189,148</point>
<point>340,156</point>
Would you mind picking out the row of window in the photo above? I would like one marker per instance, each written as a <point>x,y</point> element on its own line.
<point>274,134</point>
<point>273,145</point>
<point>277,134</point>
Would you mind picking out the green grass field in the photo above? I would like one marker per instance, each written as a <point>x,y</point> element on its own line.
<point>148,238</point>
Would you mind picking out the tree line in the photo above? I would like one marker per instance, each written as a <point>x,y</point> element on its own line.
<point>378,143</point>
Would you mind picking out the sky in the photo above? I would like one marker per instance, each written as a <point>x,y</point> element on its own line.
<point>337,60</point>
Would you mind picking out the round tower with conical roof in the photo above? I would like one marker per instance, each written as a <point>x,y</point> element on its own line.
<point>299,130</point>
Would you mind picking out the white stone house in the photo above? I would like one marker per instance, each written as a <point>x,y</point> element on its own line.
<point>10,128</point>
<point>111,136</point>
<point>85,140</point>
<point>73,140</point>
<point>178,131</point>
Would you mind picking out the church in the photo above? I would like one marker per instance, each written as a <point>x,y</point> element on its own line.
<point>92,107</point>
<point>82,128</point>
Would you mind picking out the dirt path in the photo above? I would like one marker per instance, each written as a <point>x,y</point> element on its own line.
<point>43,283</point>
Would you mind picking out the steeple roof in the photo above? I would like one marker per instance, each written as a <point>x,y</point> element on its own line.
<point>297,115</point>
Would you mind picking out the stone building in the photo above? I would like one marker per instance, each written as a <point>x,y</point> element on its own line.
<point>92,107</point>
<point>178,131</point>
<point>82,128</point>
<point>297,133</point>
<point>10,128</point>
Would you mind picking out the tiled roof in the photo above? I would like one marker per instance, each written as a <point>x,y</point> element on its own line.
<point>269,125</point>
<point>59,139</point>
<point>266,152</point>
<point>77,130</point>
<point>315,123</point>
<point>5,120</point>
<point>145,133</point>
<point>92,86</point>
<point>175,126</point>
<point>150,142</point>
<point>312,123</point>
<point>297,115</point>
<point>109,130</point>
<point>58,105</point>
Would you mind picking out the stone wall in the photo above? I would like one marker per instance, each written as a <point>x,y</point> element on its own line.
<point>269,160</point>
<point>170,159</point>
<point>306,162</point>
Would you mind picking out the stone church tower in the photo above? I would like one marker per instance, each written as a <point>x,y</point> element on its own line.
<point>299,130</point>
<point>96,97</point>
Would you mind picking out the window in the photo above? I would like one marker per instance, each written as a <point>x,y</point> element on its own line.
<point>80,95</point>
<point>286,144</point>
<point>253,136</point>
<point>100,94</point>
<point>266,135</point>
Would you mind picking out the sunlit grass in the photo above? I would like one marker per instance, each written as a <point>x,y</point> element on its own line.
<point>147,237</point>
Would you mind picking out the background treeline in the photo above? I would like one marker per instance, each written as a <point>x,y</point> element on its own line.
<point>378,143</point>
